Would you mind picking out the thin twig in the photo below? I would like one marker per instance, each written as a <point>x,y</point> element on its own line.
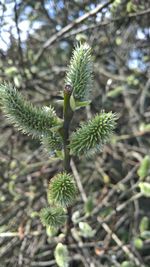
<point>70,26</point>
<point>119,243</point>
<point>78,180</point>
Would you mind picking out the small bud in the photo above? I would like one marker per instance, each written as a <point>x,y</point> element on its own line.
<point>68,89</point>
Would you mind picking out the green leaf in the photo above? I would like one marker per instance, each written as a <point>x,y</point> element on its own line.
<point>119,40</point>
<point>72,103</point>
<point>92,135</point>
<point>144,224</point>
<point>145,235</point>
<point>138,243</point>
<point>78,104</point>
<point>11,71</point>
<point>79,74</point>
<point>81,104</point>
<point>144,127</point>
<point>145,189</point>
<point>127,264</point>
<point>131,7</point>
<point>86,230</point>
<point>75,216</point>
<point>27,118</point>
<point>51,231</point>
<point>52,216</point>
<point>61,255</point>
<point>132,80</point>
<point>89,206</point>
<point>62,190</point>
<point>115,92</point>
<point>144,167</point>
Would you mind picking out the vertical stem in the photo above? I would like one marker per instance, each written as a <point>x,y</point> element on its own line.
<point>68,114</point>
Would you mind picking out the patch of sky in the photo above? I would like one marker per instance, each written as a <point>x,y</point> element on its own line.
<point>63,45</point>
<point>50,7</point>
<point>58,27</point>
<point>141,33</point>
<point>8,25</point>
<point>60,4</point>
<point>136,60</point>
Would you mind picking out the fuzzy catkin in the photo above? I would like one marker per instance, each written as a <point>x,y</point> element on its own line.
<point>79,74</point>
<point>93,134</point>
<point>26,117</point>
<point>62,190</point>
<point>52,216</point>
<point>52,142</point>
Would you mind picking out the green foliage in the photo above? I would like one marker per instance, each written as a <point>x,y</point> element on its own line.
<point>86,230</point>
<point>52,216</point>
<point>144,127</point>
<point>115,92</point>
<point>145,189</point>
<point>62,190</point>
<point>127,264</point>
<point>89,206</point>
<point>144,167</point>
<point>90,138</point>
<point>144,224</point>
<point>138,243</point>
<point>79,74</point>
<point>51,231</point>
<point>145,228</point>
<point>26,117</point>
<point>145,235</point>
<point>61,255</point>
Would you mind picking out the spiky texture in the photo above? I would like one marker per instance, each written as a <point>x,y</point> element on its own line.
<point>79,74</point>
<point>62,190</point>
<point>61,255</point>
<point>53,216</point>
<point>52,142</point>
<point>93,134</point>
<point>26,117</point>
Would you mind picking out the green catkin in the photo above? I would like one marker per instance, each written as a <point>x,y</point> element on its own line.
<point>27,118</point>
<point>52,142</point>
<point>53,216</point>
<point>79,74</point>
<point>62,190</point>
<point>92,135</point>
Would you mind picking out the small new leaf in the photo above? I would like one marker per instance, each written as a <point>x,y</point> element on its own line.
<point>52,216</point>
<point>145,188</point>
<point>86,230</point>
<point>61,255</point>
<point>90,138</point>
<point>79,74</point>
<point>26,117</point>
<point>144,167</point>
<point>62,190</point>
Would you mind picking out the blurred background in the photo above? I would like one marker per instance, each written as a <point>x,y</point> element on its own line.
<point>36,43</point>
